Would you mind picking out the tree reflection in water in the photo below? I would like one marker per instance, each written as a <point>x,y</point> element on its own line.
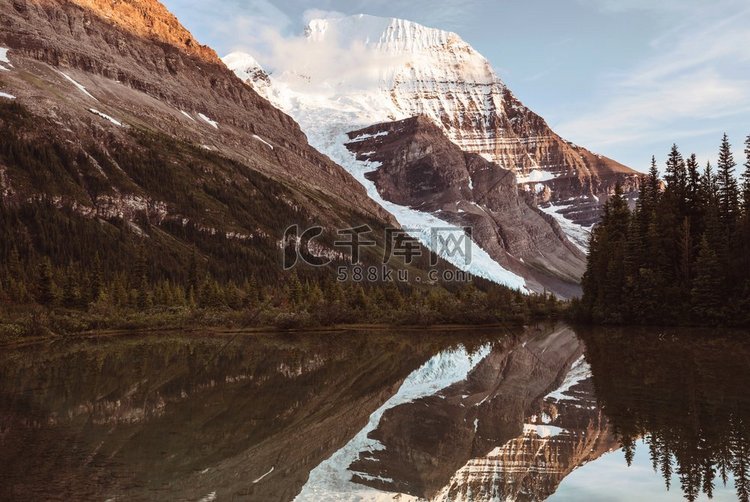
<point>686,393</point>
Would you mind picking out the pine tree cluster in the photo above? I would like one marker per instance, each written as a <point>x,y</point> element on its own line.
<point>682,256</point>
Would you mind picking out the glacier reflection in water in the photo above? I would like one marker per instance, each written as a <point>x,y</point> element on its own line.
<point>332,478</point>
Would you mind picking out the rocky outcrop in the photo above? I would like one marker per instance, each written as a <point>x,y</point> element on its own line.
<point>420,168</point>
<point>150,19</point>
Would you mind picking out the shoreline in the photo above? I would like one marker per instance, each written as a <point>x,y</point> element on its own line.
<point>268,330</point>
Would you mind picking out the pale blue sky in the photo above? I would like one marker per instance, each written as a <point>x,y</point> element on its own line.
<point>625,78</point>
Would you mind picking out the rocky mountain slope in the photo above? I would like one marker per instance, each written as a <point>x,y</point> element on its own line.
<point>420,168</point>
<point>117,120</point>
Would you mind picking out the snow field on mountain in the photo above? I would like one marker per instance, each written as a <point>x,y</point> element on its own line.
<point>5,64</point>
<point>577,234</point>
<point>78,86</point>
<point>579,371</point>
<point>105,116</point>
<point>213,123</point>
<point>258,138</point>
<point>535,175</point>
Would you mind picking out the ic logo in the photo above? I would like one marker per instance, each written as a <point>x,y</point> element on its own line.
<point>296,247</point>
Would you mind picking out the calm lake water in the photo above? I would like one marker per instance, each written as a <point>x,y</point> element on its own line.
<point>548,412</point>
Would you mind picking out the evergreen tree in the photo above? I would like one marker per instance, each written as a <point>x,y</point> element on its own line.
<point>746,179</point>
<point>654,191</point>
<point>676,177</point>
<point>294,289</point>
<point>141,285</point>
<point>709,186</point>
<point>45,287</point>
<point>693,183</point>
<point>193,273</point>
<point>707,286</point>
<point>97,282</point>
<point>70,292</point>
<point>728,190</point>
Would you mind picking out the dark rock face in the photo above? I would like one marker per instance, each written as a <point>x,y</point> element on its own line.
<point>422,169</point>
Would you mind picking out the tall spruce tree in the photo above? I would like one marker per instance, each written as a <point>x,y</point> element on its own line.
<point>45,293</point>
<point>728,190</point>
<point>707,286</point>
<point>746,178</point>
<point>693,182</point>
<point>654,190</point>
<point>676,177</point>
<point>709,186</point>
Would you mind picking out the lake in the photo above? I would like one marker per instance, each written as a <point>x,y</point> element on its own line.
<point>545,412</point>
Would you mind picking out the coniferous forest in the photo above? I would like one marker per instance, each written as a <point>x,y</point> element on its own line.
<point>64,272</point>
<point>682,255</point>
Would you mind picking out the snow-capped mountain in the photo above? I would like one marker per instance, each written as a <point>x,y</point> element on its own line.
<point>392,69</point>
<point>348,73</point>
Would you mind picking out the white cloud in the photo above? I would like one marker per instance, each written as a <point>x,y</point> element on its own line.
<point>311,14</point>
<point>228,24</point>
<point>617,6</point>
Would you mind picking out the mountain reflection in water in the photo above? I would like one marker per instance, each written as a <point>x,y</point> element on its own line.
<point>459,415</point>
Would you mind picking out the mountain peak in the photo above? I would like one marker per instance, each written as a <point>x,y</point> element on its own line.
<point>149,19</point>
<point>383,33</point>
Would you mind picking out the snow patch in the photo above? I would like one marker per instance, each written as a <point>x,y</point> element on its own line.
<point>105,116</point>
<point>263,476</point>
<point>541,430</point>
<point>242,64</point>
<point>535,175</point>
<point>363,137</point>
<point>209,498</point>
<point>269,145</point>
<point>418,224</point>
<point>579,371</point>
<point>6,95</point>
<point>331,480</point>
<point>187,115</point>
<point>4,61</point>
<point>578,234</point>
<point>209,121</point>
<point>79,86</point>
